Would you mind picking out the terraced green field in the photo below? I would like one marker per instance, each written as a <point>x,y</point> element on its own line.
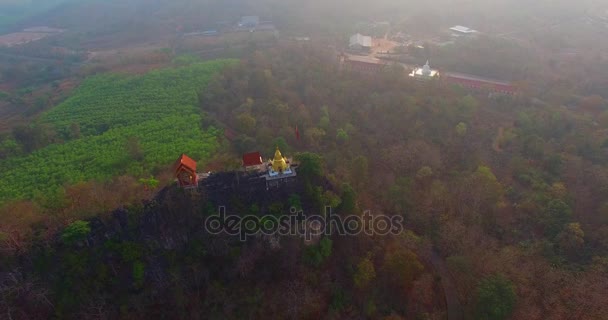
<point>109,101</point>
<point>158,110</point>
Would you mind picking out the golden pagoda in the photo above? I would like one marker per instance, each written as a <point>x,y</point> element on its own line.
<point>279,164</point>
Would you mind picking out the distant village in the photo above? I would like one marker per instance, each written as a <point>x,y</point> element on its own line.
<point>370,55</point>
<point>245,24</point>
<point>364,54</point>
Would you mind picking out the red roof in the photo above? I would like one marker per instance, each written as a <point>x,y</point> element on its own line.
<point>365,66</point>
<point>480,83</point>
<point>252,159</point>
<point>185,161</point>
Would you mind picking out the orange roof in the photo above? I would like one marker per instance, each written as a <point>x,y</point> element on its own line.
<point>185,161</point>
<point>252,159</point>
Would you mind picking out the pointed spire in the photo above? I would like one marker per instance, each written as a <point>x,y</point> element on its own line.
<point>278,163</point>
<point>426,69</point>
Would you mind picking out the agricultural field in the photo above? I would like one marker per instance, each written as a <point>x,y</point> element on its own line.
<point>111,100</point>
<point>131,125</point>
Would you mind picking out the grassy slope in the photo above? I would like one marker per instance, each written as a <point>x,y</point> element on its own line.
<point>158,108</point>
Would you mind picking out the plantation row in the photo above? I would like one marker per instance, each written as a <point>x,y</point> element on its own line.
<point>100,157</point>
<point>109,101</point>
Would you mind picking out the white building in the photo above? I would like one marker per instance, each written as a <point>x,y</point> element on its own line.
<point>462,31</point>
<point>249,22</point>
<point>359,42</point>
<point>425,72</point>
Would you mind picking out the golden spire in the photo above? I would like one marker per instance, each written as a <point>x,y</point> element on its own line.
<point>278,163</point>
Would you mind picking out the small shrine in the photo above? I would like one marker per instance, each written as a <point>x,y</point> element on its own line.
<point>185,172</point>
<point>279,171</point>
<point>425,72</point>
<point>253,161</point>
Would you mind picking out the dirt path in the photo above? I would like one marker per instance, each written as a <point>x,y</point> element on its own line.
<point>454,309</point>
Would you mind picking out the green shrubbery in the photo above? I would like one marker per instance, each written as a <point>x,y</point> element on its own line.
<point>75,232</point>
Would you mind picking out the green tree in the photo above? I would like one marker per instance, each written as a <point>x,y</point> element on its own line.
<point>461,129</point>
<point>282,144</point>
<point>324,123</point>
<point>150,183</point>
<point>365,273</point>
<point>325,246</point>
<point>244,144</point>
<point>401,267</point>
<point>314,136</point>
<point>9,148</point>
<point>134,149</point>
<point>34,137</point>
<point>495,298</point>
<point>315,255</point>
<point>295,201</point>
<point>349,200</point>
<point>75,131</point>
<point>330,199</point>
<point>76,232</point>
<point>424,173</point>
<point>246,122</point>
<point>311,166</point>
<point>342,136</point>
<point>557,215</point>
<point>138,274</point>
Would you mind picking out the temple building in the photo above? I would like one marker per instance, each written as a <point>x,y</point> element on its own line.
<point>256,178</point>
<point>279,171</point>
<point>478,83</point>
<point>460,31</point>
<point>360,43</point>
<point>253,161</point>
<point>185,172</point>
<point>367,65</point>
<point>424,73</point>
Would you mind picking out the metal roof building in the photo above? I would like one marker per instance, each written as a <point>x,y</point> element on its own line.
<point>360,41</point>
<point>463,30</point>
<point>249,21</point>
<point>480,83</point>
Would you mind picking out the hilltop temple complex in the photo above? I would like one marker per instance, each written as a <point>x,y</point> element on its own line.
<point>256,174</point>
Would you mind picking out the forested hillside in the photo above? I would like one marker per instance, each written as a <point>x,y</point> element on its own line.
<point>503,198</point>
<point>504,187</point>
<point>510,193</point>
<point>114,125</point>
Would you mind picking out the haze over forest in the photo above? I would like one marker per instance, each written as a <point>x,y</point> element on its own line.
<point>223,159</point>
